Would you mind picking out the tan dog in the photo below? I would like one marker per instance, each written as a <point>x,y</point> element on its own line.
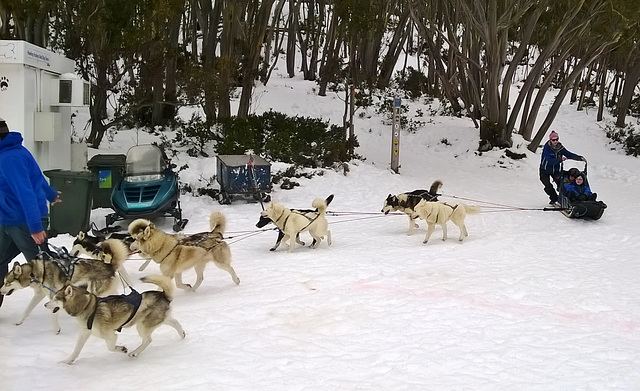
<point>175,254</point>
<point>292,222</point>
<point>441,212</point>
<point>103,316</point>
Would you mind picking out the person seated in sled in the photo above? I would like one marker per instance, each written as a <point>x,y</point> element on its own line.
<point>579,191</point>
<point>569,177</point>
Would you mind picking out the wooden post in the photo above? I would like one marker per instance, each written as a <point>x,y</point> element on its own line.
<point>395,136</point>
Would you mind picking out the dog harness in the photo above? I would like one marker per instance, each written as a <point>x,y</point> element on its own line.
<point>424,195</point>
<point>61,257</point>
<point>134,298</point>
<point>311,220</point>
<point>453,207</point>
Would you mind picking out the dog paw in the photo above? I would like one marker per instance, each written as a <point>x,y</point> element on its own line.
<point>133,354</point>
<point>57,331</point>
<point>424,241</point>
<point>122,349</point>
<point>68,361</point>
<point>272,249</point>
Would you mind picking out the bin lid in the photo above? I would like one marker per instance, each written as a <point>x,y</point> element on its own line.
<point>113,160</point>
<point>58,173</point>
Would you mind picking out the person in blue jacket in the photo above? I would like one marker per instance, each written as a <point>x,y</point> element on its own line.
<point>24,193</point>
<point>578,190</point>
<point>553,154</point>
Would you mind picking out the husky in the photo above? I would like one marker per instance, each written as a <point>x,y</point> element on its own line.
<point>89,245</point>
<point>406,202</point>
<point>441,212</point>
<point>45,276</point>
<point>291,223</point>
<point>175,254</point>
<point>103,316</point>
<point>264,220</point>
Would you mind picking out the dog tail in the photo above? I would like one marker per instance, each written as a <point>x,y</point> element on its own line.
<point>217,222</point>
<point>113,251</point>
<point>320,205</point>
<point>161,281</point>
<point>471,209</point>
<point>435,187</point>
<point>138,226</point>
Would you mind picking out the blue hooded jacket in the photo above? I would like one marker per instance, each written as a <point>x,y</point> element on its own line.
<point>552,157</point>
<point>574,190</point>
<point>24,190</point>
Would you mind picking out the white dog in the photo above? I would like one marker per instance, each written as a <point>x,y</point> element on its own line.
<point>292,222</point>
<point>441,212</point>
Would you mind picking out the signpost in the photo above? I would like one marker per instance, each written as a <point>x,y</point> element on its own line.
<point>395,136</point>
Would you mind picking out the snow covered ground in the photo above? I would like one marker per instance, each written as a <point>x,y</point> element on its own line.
<point>531,300</point>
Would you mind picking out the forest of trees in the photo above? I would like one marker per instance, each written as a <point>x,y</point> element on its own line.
<point>156,55</point>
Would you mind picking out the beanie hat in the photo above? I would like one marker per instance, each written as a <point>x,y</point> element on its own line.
<point>4,129</point>
<point>553,135</point>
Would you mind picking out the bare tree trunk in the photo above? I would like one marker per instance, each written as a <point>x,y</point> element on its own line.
<point>585,86</point>
<point>255,31</point>
<point>291,38</point>
<point>400,36</point>
<point>631,80</point>
<point>603,86</point>
<point>330,62</point>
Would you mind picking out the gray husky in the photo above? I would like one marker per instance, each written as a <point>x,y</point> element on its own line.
<point>46,276</point>
<point>103,316</point>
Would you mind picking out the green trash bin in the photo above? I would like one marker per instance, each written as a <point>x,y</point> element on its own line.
<point>107,172</point>
<point>73,214</point>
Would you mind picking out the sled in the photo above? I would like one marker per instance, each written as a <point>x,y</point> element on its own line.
<point>592,210</point>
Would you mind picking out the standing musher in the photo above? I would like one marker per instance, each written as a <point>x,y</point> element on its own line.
<point>24,192</point>
<point>553,154</point>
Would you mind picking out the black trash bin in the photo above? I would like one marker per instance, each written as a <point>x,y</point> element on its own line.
<point>107,171</point>
<point>73,214</point>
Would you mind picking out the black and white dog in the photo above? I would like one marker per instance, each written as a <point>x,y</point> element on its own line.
<point>85,243</point>
<point>406,202</point>
<point>264,220</point>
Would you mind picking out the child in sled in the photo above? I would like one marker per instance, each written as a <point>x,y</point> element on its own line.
<point>578,190</point>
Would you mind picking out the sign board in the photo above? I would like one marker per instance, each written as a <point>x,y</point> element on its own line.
<point>395,136</point>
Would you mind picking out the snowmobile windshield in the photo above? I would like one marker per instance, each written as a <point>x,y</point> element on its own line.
<point>144,163</point>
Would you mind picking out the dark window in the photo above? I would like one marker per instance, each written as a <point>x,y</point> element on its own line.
<point>64,95</point>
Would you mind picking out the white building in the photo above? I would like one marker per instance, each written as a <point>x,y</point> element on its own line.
<point>42,98</point>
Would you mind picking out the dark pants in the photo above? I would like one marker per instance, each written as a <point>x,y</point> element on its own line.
<point>548,187</point>
<point>16,239</point>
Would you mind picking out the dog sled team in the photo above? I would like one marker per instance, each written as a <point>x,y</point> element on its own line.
<point>84,282</point>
